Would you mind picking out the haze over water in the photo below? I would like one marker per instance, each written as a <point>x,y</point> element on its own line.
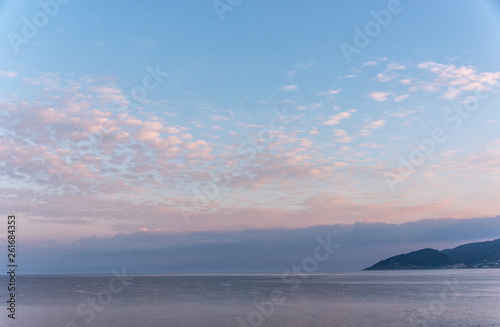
<point>382,298</point>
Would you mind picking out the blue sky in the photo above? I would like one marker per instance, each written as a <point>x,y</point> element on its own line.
<point>124,117</point>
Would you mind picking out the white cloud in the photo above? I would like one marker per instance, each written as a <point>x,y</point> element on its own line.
<point>452,93</point>
<point>251,125</point>
<point>375,124</point>
<point>109,94</point>
<point>402,113</point>
<point>170,130</point>
<point>395,66</point>
<point>372,145</point>
<point>387,76</point>
<point>331,92</point>
<point>4,73</point>
<point>314,131</point>
<point>379,96</point>
<point>390,74</point>
<point>218,117</point>
<point>287,88</point>
<point>342,136</point>
<point>455,80</point>
<point>170,114</point>
<point>337,119</point>
<point>375,62</point>
<point>401,98</point>
<point>310,106</point>
<point>371,125</point>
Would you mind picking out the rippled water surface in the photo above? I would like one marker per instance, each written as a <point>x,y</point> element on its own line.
<point>396,298</point>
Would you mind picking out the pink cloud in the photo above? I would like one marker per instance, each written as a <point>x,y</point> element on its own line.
<point>455,79</point>
<point>379,96</point>
<point>337,119</point>
<point>4,73</point>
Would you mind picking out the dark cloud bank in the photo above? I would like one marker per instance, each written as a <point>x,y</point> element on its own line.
<point>253,250</point>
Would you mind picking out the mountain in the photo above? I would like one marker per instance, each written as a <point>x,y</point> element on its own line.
<point>421,259</point>
<point>472,255</point>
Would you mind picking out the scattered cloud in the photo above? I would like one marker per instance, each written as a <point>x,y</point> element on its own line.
<point>134,149</point>
<point>342,136</point>
<point>455,79</point>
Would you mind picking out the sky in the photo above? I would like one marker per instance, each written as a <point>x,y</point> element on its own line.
<point>181,121</point>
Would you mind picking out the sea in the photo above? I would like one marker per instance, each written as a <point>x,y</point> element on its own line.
<point>454,297</point>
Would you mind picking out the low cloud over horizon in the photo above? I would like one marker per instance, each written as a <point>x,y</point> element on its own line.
<point>253,250</point>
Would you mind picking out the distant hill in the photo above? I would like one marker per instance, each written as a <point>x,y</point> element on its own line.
<point>472,255</point>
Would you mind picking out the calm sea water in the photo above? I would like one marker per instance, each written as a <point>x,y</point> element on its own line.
<point>398,298</point>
